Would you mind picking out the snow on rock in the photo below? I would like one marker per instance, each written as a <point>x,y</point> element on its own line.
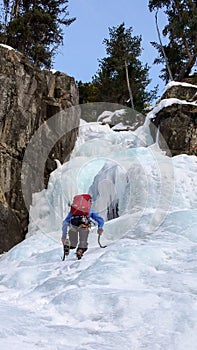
<point>175,119</point>
<point>177,83</point>
<point>127,118</point>
<point>58,163</point>
<point>165,103</point>
<point>120,127</point>
<point>7,47</point>
<point>53,71</point>
<point>105,117</point>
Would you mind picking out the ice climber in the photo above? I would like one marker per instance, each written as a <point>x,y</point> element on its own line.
<point>79,221</point>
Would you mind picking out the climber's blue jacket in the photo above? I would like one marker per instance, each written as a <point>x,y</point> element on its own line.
<point>92,215</point>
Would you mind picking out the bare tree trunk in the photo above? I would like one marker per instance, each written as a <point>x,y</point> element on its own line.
<point>6,4</point>
<point>163,51</point>
<point>15,8</point>
<point>128,84</point>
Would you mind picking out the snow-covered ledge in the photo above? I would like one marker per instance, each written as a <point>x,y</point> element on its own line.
<point>165,103</point>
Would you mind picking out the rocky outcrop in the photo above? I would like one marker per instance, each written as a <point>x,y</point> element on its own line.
<point>122,119</point>
<point>29,98</point>
<point>11,230</point>
<point>176,118</point>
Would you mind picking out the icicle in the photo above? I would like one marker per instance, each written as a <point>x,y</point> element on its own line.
<point>157,135</point>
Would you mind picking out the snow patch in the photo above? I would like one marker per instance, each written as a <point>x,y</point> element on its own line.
<point>7,47</point>
<point>165,103</point>
<point>176,83</point>
<point>53,71</point>
<point>107,116</point>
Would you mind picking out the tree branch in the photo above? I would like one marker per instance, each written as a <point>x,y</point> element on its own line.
<point>162,47</point>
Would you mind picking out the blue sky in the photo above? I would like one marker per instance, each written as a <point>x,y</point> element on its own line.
<point>83,39</point>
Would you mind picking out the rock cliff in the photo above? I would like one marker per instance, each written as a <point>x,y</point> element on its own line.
<point>29,98</point>
<point>176,118</point>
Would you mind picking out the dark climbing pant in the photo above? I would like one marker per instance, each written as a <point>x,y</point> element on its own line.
<point>78,236</point>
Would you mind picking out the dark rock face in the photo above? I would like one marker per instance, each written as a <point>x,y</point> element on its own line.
<point>13,231</point>
<point>182,92</point>
<point>178,122</point>
<point>29,98</point>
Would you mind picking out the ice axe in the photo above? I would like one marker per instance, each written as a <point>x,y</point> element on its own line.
<point>101,246</point>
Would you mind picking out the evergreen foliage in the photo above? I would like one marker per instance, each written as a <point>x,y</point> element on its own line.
<point>181,31</point>
<point>109,83</point>
<point>34,28</point>
<point>88,92</point>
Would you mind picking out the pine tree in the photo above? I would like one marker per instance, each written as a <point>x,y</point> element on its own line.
<point>35,28</point>
<point>122,78</point>
<point>88,92</point>
<point>181,31</point>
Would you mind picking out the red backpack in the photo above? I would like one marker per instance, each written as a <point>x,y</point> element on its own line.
<point>81,204</point>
